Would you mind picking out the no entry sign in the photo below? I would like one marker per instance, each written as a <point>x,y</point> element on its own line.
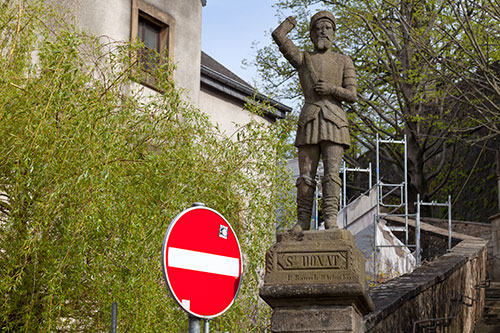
<point>201,262</point>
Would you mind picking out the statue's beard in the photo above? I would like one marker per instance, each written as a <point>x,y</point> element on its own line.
<point>323,43</point>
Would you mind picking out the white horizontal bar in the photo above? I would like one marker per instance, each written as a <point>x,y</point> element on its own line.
<point>433,204</point>
<point>396,228</point>
<point>203,262</point>
<point>392,185</point>
<point>392,141</point>
<point>357,169</point>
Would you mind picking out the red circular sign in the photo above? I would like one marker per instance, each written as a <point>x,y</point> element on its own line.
<point>201,262</point>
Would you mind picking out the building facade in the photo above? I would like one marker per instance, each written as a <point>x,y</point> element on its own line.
<point>174,28</point>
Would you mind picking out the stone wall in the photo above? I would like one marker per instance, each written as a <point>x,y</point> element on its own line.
<point>434,238</point>
<point>446,288</point>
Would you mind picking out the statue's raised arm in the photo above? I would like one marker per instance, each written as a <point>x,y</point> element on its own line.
<point>327,80</point>
<point>287,47</point>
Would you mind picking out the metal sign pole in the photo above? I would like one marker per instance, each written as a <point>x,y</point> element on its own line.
<point>206,327</point>
<point>194,324</point>
<point>114,316</point>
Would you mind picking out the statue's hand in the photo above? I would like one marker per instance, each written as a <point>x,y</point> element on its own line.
<point>323,88</point>
<point>284,28</point>
<point>292,20</point>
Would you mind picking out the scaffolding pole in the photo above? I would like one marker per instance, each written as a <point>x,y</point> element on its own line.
<point>343,194</point>
<point>344,169</point>
<point>437,204</point>
<point>403,197</point>
<point>417,232</point>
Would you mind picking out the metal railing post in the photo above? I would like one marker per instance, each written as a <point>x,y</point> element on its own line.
<point>377,171</point>
<point>370,175</point>
<point>375,219</point>
<point>417,232</point>
<point>406,191</point>
<point>449,223</point>
<point>344,183</point>
<point>316,199</point>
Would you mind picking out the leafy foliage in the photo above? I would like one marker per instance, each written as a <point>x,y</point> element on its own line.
<point>94,168</point>
<point>426,69</point>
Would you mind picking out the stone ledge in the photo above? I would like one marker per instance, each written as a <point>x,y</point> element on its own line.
<point>391,295</point>
<point>317,320</point>
<point>317,294</point>
<point>424,227</point>
<point>315,236</point>
<point>494,217</point>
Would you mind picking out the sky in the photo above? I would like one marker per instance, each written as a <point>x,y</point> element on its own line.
<point>230,26</point>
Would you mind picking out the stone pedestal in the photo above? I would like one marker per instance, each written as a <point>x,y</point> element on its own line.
<point>315,282</point>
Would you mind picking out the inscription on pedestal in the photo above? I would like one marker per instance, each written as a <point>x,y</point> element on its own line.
<point>321,277</point>
<point>326,257</point>
<point>288,261</point>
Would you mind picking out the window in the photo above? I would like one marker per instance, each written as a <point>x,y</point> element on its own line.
<point>150,34</point>
<point>155,29</point>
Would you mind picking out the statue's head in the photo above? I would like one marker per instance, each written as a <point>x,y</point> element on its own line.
<point>322,28</point>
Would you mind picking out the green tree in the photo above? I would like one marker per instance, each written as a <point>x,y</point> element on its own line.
<point>405,87</point>
<point>474,68</point>
<point>92,172</point>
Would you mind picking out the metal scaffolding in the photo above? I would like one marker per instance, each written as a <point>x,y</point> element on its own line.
<point>403,189</point>
<point>433,204</point>
<point>403,203</point>
<point>394,209</point>
<point>344,170</point>
<point>343,193</point>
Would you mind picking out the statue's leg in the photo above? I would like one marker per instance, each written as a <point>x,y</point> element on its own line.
<point>306,185</point>
<point>332,157</point>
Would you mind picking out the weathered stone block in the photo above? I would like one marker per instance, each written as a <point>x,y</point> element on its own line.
<point>315,257</point>
<point>332,319</point>
<point>315,282</point>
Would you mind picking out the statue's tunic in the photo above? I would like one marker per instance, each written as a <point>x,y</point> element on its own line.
<point>322,117</point>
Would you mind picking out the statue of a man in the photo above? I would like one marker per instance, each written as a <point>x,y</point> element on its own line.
<point>327,79</point>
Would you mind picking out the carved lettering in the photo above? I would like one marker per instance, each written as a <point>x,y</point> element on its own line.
<point>313,260</point>
<point>323,277</point>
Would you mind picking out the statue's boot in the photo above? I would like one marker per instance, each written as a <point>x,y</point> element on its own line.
<point>331,191</point>
<point>306,187</point>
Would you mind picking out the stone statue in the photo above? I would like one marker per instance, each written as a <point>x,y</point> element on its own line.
<point>327,79</point>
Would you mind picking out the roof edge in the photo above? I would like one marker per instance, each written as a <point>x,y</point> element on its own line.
<point>242,92</point>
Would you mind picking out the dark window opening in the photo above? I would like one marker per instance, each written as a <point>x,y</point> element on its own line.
<point>155,30</point>
<point>150,34</point>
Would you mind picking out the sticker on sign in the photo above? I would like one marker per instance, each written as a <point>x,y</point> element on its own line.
<point>201,260</point>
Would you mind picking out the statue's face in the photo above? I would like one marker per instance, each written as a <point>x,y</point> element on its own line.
<point>322,35</point>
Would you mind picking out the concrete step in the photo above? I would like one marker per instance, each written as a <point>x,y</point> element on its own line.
<point>491,321</point>
<point>493,290</point>
<point>492,293</point>
<point>493,316</point>
<point>495,306</point>
<point>483,328</point>
<point>492,302</point>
